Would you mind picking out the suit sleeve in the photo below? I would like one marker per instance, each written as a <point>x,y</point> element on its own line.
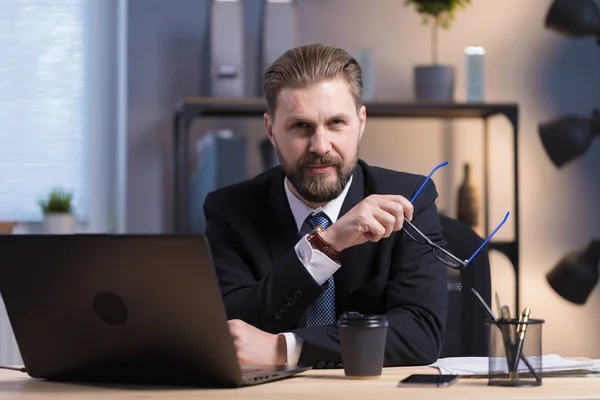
<point>416,300</point>
<point>273,303</point>
<point>417,292</point>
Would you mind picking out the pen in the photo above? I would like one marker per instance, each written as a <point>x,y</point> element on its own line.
<point>508,342</point>
<point>505,313</point>
<point>498,303</point>
<point>503,328</point>
<point>493,317</point>
<point>521,329</point>
<point>484,305</point>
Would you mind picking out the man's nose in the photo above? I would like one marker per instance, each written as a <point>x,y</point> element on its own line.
<point>320,143</point>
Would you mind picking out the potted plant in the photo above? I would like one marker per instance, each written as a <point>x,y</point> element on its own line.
<point>435,81</point>
<point>58,213</point>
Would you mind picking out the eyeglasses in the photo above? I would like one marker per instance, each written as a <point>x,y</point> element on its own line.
<point>442,254</point>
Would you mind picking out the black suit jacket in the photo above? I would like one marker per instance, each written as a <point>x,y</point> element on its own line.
<point>252,234</point>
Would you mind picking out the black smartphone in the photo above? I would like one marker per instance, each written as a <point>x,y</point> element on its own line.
<point>429,380</point>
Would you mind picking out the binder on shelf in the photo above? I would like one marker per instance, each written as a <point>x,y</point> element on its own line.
<point>279,30</point>
<point>226,49</point>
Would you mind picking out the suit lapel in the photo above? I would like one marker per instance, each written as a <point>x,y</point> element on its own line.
<point>282,234</point>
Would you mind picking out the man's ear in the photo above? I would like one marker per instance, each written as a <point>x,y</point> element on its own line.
<point>362,120</point>
<point>269,127</point>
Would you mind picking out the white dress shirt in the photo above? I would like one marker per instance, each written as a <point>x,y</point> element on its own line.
<point>316,262</point>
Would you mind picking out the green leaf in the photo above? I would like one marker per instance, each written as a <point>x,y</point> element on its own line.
<point>59,201</point>
<point>442,11</point>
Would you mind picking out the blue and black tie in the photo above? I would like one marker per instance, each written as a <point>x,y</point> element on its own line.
<point>322,310</point>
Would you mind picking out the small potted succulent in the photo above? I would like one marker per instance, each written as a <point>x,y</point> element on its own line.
<point>58,213</point>
<point>436,81</point>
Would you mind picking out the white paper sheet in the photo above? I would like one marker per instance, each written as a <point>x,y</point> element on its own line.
<point>479,365</point>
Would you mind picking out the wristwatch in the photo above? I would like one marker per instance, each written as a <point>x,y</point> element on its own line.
<point>317,242</point>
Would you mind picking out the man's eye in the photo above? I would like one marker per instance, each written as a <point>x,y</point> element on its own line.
<point>300,125</point>
<point>337,121</point>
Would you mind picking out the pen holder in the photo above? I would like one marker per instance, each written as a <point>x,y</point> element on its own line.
<point>511,340</point>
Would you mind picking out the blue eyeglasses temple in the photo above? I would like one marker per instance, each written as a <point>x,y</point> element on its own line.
<point>429,177</point>
<point>489,237</point>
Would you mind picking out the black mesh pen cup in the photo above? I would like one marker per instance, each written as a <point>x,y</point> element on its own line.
<point>515,357</point>
<point>362,338</point>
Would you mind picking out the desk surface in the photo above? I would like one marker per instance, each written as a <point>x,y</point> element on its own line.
<point>311,385</point>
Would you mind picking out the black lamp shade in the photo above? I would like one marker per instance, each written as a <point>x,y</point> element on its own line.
<point>566,138</point>
<point>576,274</point>
<point>574,18</point>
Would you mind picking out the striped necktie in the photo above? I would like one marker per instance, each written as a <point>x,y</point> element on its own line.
<point>322,310</point>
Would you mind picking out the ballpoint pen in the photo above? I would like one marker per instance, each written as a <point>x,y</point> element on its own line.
<point>495,320</point>
<point>521,329</point>
<point>508,342</point>
<point>504,314</point>
<point>498,306</point>
<point>503,328</point>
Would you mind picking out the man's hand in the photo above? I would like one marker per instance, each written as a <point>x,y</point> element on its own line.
<point>374,218</point>
<point>254,346</point>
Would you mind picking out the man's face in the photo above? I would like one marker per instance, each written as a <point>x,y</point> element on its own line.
<point>316,131</point>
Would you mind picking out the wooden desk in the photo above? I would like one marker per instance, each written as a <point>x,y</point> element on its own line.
<point>311,385</point>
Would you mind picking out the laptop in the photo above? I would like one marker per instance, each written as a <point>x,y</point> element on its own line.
<point>138,309</point>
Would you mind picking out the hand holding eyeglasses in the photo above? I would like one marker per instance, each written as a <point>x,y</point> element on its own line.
<point>377,216</point>
<point>374,218</point>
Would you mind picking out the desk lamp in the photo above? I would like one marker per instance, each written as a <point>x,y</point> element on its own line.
<point>575,18</point>
<point>576,274</point>
<point>569,137</point>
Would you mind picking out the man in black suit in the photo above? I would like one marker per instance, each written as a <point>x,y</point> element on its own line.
<point>321,235</point>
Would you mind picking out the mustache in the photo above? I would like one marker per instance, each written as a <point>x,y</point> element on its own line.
<point>319,160</point>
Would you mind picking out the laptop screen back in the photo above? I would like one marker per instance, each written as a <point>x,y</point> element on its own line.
<point>117,308</point>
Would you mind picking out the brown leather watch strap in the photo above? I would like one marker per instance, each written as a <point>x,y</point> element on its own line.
<point>317,242</point>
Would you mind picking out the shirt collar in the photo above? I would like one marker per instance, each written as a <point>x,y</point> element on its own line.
<point>300,210</point>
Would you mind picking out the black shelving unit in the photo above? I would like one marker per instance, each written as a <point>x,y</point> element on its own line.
<point>192,108</point>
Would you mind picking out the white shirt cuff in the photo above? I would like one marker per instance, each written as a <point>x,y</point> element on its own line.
<point>294,348</point>
<point>318,265</point>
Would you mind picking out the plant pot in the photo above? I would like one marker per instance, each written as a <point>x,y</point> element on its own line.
<point>6,228</point>
<point>59,223</point>
<point>434,82</point>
